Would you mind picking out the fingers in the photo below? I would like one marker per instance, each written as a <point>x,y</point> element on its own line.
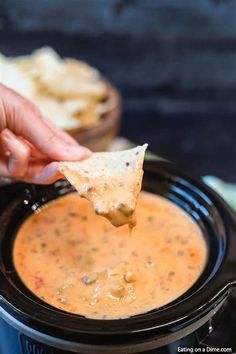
<point>40,172</point>
<point>43,174</point>
<point>24,119</point>
<point>35,153</point>
<point>17,164</point>
<point>55,148</point>
<point>14,165</point>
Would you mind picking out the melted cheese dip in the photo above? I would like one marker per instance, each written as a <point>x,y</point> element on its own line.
<point>77,261</point>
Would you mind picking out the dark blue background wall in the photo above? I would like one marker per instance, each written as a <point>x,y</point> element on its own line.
<point>174,62</point>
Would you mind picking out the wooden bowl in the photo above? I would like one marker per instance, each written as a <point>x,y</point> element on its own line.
<point>98,138</point>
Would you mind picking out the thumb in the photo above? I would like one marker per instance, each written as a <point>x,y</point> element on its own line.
<point>55,148</point>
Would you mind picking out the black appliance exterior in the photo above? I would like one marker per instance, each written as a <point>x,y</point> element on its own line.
<point>30,326</point>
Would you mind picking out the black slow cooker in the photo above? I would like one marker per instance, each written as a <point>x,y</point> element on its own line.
<point>30,326</point>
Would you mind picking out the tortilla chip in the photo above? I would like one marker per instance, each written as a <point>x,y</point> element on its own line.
<point>110,180</point>
<point>61,83</point>
<point>62,78</point>
<point>11,76</point>
<point>62,113</point>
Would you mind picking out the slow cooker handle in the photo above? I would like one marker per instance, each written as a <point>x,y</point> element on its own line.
<point>230,264</point>
<point>1,286</point>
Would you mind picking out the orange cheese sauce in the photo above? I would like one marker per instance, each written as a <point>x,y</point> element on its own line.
<point>77,261</point>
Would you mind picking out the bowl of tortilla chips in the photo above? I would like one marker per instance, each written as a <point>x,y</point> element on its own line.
<point>70,93</point>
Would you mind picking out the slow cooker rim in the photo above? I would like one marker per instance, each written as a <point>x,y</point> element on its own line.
<point>137,344</point>
<point>219,290</point>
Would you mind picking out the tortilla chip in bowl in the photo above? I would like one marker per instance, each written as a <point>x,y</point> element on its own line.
<point>70,93</point>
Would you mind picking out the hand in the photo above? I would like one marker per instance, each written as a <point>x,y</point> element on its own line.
<point>30,144</point>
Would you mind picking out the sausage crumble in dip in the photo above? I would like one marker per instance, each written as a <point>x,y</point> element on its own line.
<point>77,261</point>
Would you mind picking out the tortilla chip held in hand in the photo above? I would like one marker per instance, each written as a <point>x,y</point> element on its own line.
<point>110,180</point>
